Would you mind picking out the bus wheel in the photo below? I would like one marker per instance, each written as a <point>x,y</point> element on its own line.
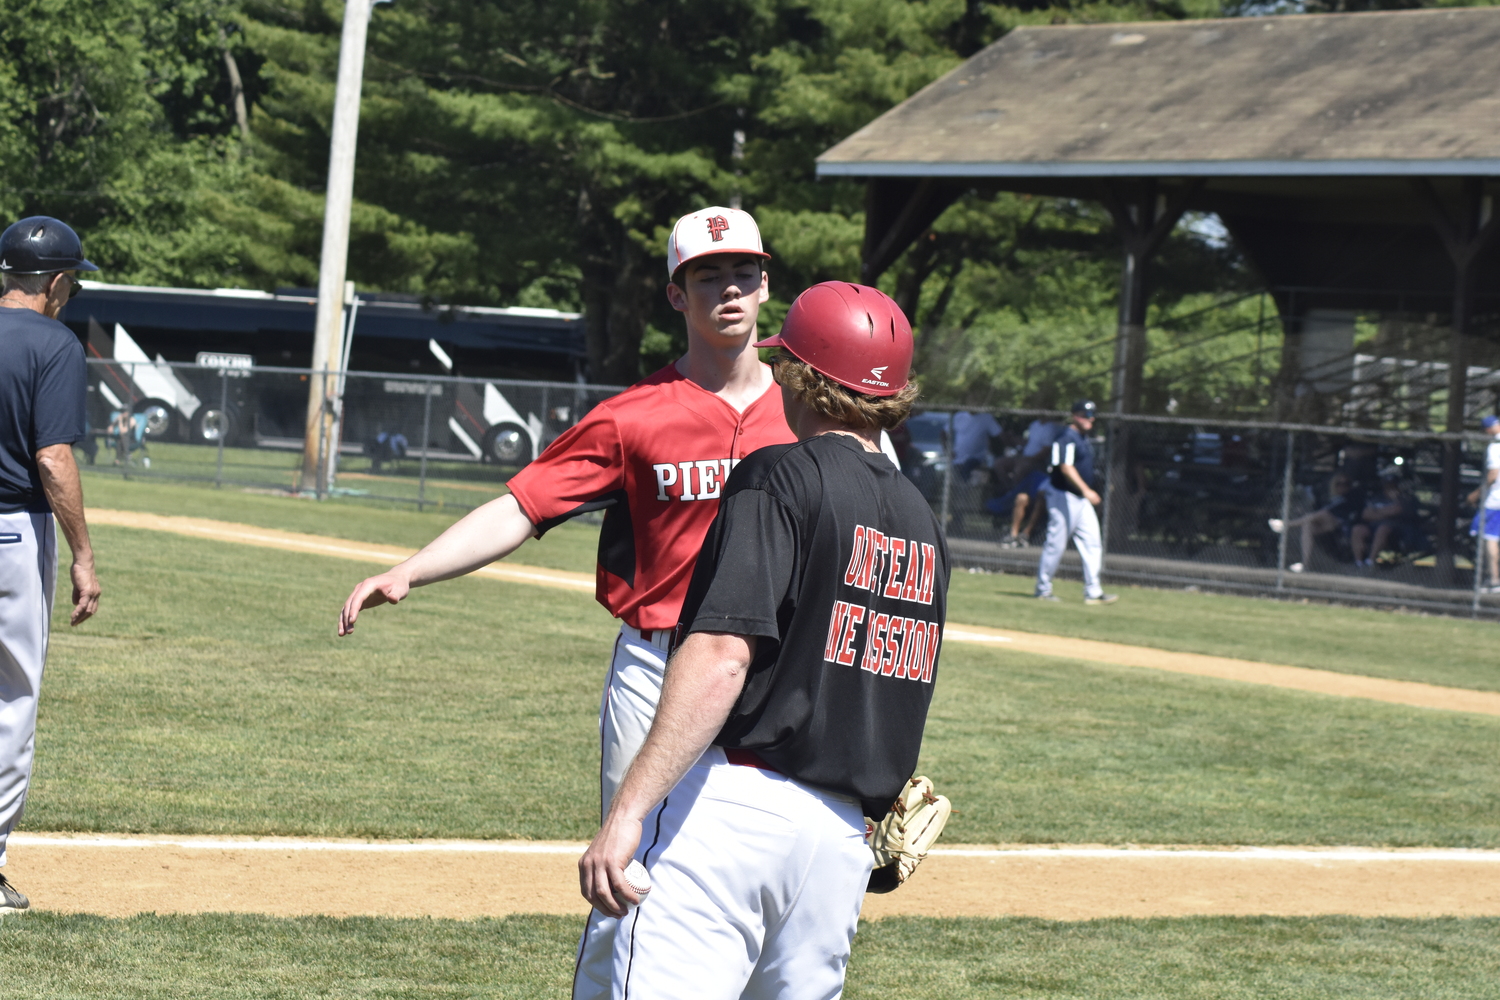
<point>162,422</point>
<point>507,444</point>
<point>210,426</point>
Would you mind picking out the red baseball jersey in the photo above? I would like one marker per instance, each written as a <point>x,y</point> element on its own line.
<point>654,459</point>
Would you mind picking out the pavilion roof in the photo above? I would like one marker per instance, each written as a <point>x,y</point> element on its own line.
<point>1402,93</point>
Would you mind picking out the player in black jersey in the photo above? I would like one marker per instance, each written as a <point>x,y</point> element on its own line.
<point>796,702</point>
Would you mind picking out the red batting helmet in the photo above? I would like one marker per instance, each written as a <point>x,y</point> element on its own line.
<point>854,334</point>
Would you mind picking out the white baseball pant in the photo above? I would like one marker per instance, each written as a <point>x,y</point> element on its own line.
<point>1070,517</point>
<point>28,576</point>
<point>631,693</point>
<point>756,886</point>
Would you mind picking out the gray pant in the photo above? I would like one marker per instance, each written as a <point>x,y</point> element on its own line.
<point>28,577</point>
<point>1070,517</point>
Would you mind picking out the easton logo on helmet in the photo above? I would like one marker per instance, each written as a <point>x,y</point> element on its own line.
<point>717,226</point>
<point>879,372</point>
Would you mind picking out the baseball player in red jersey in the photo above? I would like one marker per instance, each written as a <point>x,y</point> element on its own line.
<point>654,459</point>
<point>796,703</point>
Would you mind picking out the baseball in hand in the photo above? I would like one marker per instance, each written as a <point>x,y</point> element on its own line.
<point>635,874</point>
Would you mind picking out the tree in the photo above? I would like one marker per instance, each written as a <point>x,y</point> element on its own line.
<point>117,116</point>
<point>535,153</point>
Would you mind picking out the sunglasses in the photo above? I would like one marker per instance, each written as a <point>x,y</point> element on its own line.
<point>74,285</point>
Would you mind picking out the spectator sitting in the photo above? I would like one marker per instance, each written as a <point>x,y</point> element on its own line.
<point>387,447</point>
<point>127,432</point>
<point>1395,514</point>
<point>1025,502</point>
<point>971,442</point>
<point>1342,510</point>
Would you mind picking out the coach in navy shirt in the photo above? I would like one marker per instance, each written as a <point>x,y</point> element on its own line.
<point>1071,499</point>
<point>43,382</point>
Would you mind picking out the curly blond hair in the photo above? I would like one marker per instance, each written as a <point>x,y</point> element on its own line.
<point>827,398</point>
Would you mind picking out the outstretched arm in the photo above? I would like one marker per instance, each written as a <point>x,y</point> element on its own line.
<point>487,533</point>
<point>702,682</point>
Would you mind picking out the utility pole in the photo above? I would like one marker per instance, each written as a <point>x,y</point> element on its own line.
<point>328,342</point>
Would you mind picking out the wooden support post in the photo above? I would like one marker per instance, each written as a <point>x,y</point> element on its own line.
<point>1464,236</point>
<point>897,211</point>
<point>1143,218</point>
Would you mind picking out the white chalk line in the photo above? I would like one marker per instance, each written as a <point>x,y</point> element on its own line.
<point>1238,853</point>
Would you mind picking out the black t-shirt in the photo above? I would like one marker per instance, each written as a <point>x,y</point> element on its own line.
<point>43,385</point>
<point>830,556</point>
<point>1072,448</point>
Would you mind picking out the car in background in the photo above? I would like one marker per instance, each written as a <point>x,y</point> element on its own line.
<point>921,444</point>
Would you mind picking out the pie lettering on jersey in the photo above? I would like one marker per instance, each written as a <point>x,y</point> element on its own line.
<point>625,458</point>
<point>710,476</point>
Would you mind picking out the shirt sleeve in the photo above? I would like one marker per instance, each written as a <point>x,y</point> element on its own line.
<point>576,472</point>
<point>753,549</point>
<point>57,414</point>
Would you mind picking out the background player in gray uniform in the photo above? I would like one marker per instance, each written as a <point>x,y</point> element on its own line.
<point>1071,499</point>
<point>795,705</point>
<point>43,385</point>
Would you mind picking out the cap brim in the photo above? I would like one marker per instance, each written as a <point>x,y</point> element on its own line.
<point>85,265</point>
<point>771,341</point>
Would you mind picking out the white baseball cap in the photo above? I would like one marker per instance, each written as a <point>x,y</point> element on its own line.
<point>712,230</point>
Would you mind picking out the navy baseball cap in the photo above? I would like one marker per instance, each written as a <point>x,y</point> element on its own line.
<point>1490,421</point>
<point>1086,407</point>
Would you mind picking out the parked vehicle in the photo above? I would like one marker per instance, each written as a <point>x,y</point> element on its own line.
<point>182,358</point>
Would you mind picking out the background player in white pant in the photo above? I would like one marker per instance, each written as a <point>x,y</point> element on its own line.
<point>796,704</point>
<point>654,459</point>
<point>43,385</point>
<point>1071,499</point>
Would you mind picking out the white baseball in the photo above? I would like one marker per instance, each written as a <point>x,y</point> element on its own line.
<point>635,874</point>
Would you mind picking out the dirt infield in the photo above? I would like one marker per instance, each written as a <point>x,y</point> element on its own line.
<point>118,876</point>
<point>1244,671</point>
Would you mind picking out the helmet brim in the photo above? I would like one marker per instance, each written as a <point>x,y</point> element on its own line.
<point>82,265</point>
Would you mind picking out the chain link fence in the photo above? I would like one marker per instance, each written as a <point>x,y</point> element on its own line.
<point>1187,503</point>
<point>1283,510</point>
<point>427,440</point>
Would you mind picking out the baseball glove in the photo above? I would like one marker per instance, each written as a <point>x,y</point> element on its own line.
<point>903,838</point>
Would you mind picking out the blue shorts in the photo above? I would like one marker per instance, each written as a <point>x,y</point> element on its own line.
<point>1491,525</point>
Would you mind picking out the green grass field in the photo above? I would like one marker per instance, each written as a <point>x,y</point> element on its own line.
<point>218,664</point>
<point>211,696</point>
<point>1438,650</point>
<point>238,958</point>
